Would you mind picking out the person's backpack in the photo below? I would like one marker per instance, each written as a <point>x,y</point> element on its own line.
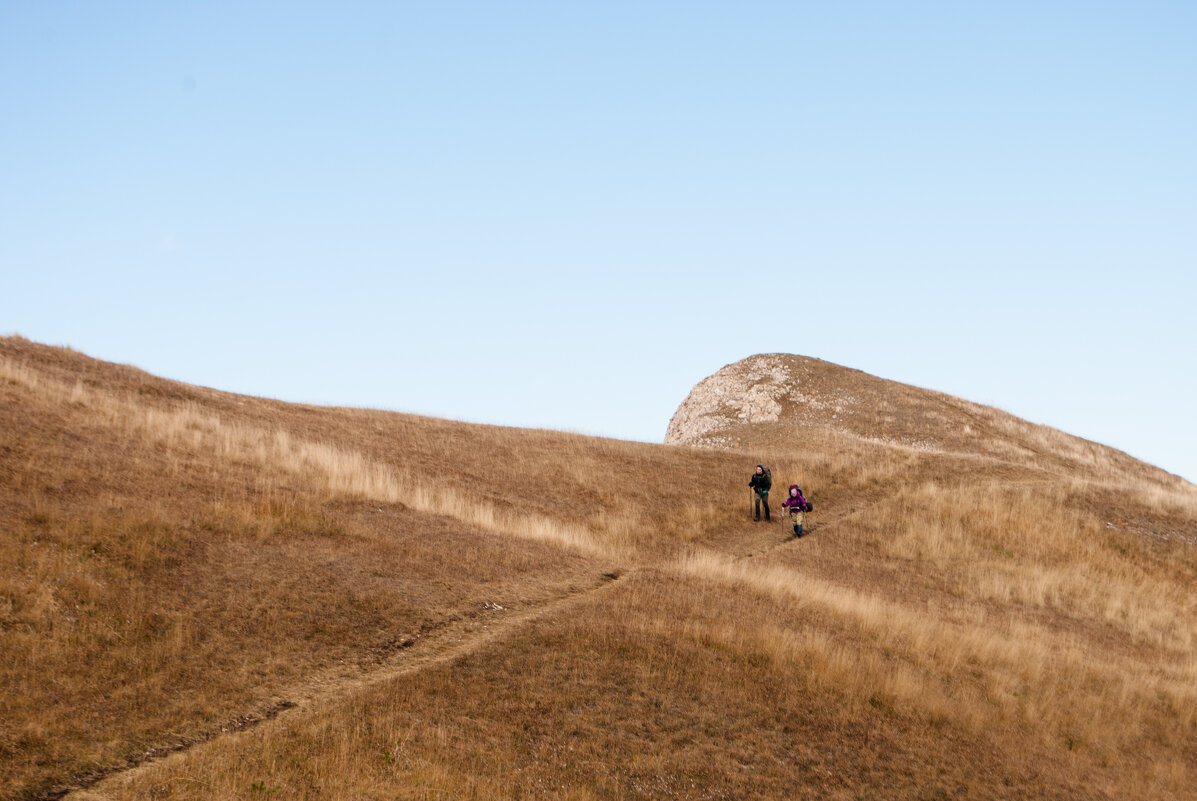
<point>803,503</point>
<point>767,484</point>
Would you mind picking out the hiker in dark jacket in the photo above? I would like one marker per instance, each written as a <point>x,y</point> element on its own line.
<point>761,483</point>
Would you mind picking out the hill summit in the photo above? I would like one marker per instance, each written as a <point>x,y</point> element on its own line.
<point>775,401</point>
<point>774,387</point>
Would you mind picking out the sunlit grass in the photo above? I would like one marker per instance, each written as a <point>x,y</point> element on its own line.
<point>211,552</point>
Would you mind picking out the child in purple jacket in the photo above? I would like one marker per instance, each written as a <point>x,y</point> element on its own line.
<point>796,504</point>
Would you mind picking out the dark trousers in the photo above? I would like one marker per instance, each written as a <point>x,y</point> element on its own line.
<point>762,498</point>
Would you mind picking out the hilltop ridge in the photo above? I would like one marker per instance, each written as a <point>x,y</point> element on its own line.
<point>767,400</point>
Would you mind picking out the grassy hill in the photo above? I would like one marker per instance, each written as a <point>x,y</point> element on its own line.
<point>205,595</point>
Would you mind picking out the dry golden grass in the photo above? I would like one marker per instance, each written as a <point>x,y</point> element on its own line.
<point>1031,546</point>
<point>966,620</point>
<point>696,704</point>
<point>1033,673</point>
<point>336,471</point>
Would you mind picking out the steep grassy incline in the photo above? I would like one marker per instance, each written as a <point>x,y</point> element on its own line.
<point>326,603</point>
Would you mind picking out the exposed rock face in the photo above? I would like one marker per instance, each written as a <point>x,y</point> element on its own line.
<point>756,390</point>
<point>771,397</point>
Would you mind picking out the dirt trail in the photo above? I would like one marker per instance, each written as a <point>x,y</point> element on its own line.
<point>433,646</point>
<point>778,531</point>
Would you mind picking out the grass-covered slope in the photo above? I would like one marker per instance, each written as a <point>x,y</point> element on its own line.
<point>305,602</point>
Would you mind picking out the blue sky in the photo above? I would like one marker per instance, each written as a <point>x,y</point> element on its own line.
<point>566,214</point>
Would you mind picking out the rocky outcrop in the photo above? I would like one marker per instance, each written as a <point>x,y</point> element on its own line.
<point>759,389</point>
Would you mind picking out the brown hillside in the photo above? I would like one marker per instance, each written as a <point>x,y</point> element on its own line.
<point>205,595</point>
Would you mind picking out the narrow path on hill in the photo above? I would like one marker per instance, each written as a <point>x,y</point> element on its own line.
<point>814,525</point>
<point>429,646</point>
<point>432,646</point>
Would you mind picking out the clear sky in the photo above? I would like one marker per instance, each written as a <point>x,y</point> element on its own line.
<point>566,214</point>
